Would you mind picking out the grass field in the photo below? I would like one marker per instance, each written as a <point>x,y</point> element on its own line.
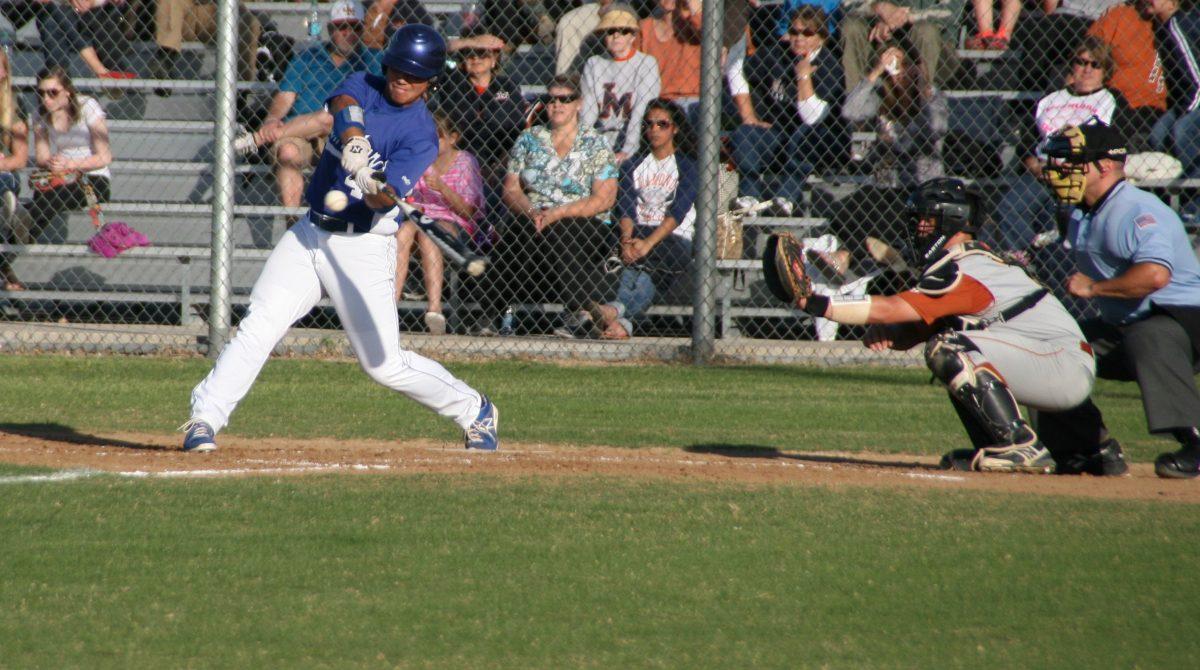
<point>467,570</point>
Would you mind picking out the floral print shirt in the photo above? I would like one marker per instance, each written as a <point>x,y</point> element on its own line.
<point>550,181</point>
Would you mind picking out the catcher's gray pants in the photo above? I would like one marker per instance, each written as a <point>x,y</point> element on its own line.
<point>1158,354</point>
<point>1050,375</point>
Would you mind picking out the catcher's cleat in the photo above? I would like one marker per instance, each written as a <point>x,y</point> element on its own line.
<point>1182,464</point>
<point>483,433</point>
<point>1032,458</point>
<point>200,437</point>
<point>1108,462</point>
<point>962,460</point>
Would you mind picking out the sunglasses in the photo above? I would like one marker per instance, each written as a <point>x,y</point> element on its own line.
<point>477,53</point>
<point>618,31</point>
<point>802,32</point>
<point>563,99</point>
<point>50,92</point>
<point>651,123</point>
<point>346,25</point>
<point>1084,62</point>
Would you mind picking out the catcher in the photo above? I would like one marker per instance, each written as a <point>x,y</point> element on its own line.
<point>993,336</point>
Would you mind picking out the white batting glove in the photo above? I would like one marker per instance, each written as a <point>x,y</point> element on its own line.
<point>366,181</point>
<point>356,155</point>
<point>244,144</point>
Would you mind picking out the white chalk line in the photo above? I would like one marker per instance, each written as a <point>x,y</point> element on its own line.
<point>303,466</point>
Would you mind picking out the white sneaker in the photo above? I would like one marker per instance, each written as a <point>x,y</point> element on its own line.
<point>435,322</point>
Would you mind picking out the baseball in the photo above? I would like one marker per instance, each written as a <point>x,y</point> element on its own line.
<point>336,201</point>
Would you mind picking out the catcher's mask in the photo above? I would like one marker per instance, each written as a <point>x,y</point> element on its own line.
<point>953,207</point>
<point>1070,150</point>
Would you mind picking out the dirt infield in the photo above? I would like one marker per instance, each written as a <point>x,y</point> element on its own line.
<point>159,456</point>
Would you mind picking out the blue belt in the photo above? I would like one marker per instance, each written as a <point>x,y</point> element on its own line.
<point>336,225</point>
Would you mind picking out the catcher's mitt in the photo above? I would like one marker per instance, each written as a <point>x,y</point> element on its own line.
<point>783,268</point>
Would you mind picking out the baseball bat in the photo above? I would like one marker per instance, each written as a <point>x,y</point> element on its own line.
<point>453,247</point>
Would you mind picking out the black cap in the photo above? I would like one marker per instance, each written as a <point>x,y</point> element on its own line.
<point>1086,143</point>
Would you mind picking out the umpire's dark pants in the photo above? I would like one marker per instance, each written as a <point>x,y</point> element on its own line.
<point>1158,354</point>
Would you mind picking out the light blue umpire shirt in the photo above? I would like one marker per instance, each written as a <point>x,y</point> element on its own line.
<point>1133,226</point>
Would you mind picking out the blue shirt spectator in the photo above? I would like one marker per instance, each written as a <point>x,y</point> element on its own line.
<point>312,73</point>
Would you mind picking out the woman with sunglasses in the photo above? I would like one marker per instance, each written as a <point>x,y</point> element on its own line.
<point>485,105</point>
<point>656,218</point>
<point>1027,208</point>
<point>617,87</point>
<point>796,91</point>
<point>560,185</point>
<point>70,136</point>
<point>14,154</point>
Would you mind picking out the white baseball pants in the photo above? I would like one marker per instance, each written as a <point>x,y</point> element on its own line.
<point>358,273</point>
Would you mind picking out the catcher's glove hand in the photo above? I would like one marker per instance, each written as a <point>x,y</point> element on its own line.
<point>783,268</point>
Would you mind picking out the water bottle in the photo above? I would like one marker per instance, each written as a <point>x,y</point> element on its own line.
<point>506,323</point>
<point>470,14</point>
<point>314,20</point>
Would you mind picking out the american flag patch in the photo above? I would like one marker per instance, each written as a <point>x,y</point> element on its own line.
<point>1145,220</point>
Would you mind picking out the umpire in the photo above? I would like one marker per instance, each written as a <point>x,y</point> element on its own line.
<point>1136,263</point>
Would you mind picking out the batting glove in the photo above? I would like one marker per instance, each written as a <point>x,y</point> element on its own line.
<point>356,155</point>
<point>366,181</point>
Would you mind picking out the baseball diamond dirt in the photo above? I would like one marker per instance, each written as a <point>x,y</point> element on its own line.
<point>145,455</point>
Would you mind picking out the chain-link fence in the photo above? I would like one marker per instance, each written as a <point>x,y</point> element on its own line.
<point>621,191</point>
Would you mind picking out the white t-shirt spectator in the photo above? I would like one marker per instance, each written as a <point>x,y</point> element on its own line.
<point>656,183</point>
<point>76,141</point>
<point>1063,108</point>
<point>615,95</point>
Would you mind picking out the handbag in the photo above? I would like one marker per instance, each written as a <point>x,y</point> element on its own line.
<point>729,228</point>
<point>44,181</point>
<point>110,238</point>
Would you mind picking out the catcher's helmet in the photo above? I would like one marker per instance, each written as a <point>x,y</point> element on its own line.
<point>416,50</point>
<point>1069,150</point>
<point>954,207</point>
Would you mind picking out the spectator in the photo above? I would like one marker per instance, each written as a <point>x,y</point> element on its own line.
<point>656,219</point>
<point>925,27</point>
<point>1027,209</point>
<point>575,40</point>
<point>796,92</point>
<point>675,44</point>
<point>911,118</point>
<point>178,20</point>
<point>451,193</point>
<point>559,232</point>
<point>1177,38</point>
<point>1045,38</point>
<point>1136,264</point>
<point>90,28</point>
<point>988,35</point>
<point>69,136</point>
<point>618,86</point>
<point>385,16</point>
<point>310,76</point>
<point>485,105</point>
<point>1137,70</point>
<point>14,154</point>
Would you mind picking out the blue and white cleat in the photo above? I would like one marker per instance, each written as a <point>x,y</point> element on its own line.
<point>484,432</point>
<point>200,437</point>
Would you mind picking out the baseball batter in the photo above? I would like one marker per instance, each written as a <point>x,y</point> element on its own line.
<point>993,336</point>
<point>380,124</point>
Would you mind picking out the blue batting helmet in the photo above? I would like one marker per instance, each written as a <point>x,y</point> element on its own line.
<point>416,50</point>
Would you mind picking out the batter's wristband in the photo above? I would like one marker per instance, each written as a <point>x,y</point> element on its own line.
<point>817,305</point>
<point>347,118</point>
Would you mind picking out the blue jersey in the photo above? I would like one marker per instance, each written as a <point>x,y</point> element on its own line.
<point>1132,226</point>
<point>403,144</point>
